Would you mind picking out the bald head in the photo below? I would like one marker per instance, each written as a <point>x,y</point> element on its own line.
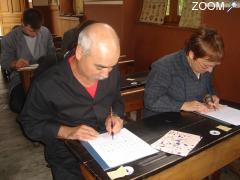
<point>98,36</point>
<point>97,52</point>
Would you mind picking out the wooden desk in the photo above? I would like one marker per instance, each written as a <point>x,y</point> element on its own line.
<point>126,67</point>
<point>132,92</point>
<point>26,78</point>
<point>211,154</point>
<point>133,101</point>
<point>204,163</point>
<point>133,98</point>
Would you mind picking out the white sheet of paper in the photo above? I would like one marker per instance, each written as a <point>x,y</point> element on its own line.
<point>31,66</point>
<point>123,148</point>
<point>176,142</point>
<point>225,114</point>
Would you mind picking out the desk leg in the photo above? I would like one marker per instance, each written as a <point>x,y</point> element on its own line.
<point>138,114</point>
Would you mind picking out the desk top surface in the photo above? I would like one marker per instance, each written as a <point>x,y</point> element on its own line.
<point>150,130</point>
<point>134,80</point>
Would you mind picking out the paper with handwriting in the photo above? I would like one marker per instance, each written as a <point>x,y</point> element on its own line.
<point>123,148</point>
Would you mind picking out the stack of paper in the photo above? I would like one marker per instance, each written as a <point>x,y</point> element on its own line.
<point>175,142</point>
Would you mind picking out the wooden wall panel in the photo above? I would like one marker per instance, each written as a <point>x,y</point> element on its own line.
<point>11,19</point>
<point>4,7</point>
<point>131,9</point>
<point>16,6</point>
<point>227,75</point>
<point>66,23</point>
<point>153,42</point>
<point>53,17</point>
<point>10,13</point>
<point>110,14</point>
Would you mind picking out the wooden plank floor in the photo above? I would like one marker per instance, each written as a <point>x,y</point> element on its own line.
<point>19,159</point>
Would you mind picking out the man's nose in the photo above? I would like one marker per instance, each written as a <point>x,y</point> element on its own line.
<point>105,72</point>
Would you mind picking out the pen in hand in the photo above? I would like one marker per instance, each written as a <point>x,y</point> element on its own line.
<point>111,114</point>
<point>209,99</point>
<point>214,107</point>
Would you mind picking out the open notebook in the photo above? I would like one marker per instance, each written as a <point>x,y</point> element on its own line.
<point>225,114</point>
<point>123,148</point>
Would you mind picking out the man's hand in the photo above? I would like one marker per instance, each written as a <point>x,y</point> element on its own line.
<point>194,106</point>
<point>113,124</point>
<point>214,104</point>
<point>19,63</point>
<point>82,133</point>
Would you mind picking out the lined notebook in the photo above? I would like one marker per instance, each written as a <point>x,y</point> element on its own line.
<point>123,148</point>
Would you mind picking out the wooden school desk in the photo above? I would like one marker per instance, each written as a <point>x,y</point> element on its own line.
<point>132,91</point>
<point>26,78</point>
<point>211,154</point>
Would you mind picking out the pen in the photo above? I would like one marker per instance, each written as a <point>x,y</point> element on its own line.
<point>213,102</point>
<point>208,98</point>
<point>111,114</point>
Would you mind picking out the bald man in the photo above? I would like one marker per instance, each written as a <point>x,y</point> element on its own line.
<point>73,99</point>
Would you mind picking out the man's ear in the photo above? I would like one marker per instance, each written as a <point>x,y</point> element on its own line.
<point>78,53</point>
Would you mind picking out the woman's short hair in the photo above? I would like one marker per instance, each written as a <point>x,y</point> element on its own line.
<point>206,42</point>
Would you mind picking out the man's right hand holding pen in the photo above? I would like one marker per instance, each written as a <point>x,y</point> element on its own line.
<point>113,124</point>
<point>212,102</point>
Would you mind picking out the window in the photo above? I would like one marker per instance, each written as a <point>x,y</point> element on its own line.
<point>174,11</point>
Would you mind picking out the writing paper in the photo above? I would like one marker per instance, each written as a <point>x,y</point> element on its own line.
<point>226,114</point>
<point>123,148</point>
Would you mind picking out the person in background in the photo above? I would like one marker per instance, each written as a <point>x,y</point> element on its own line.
<point>22,46</point>
<point>69,42</point>
<point>73,99</point>
<point>182,80</point>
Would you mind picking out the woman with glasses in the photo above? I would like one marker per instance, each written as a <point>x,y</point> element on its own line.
<point>183,80</point>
